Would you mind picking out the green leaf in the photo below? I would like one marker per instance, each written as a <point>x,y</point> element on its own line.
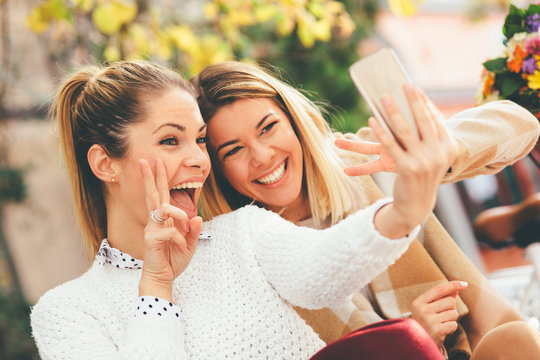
<point>495,65</point>
<point>509,85</point>
<point>533,9</point>
<point>513,24</point>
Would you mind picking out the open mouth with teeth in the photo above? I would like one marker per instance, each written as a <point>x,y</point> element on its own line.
<point>184,196</point>
<point>275,176</point>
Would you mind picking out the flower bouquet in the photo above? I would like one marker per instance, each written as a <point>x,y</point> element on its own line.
<point>516,74</point>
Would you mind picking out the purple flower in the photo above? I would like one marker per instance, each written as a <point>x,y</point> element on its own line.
<point>529,65</point>
<point>532,46</point>
<point>532,22</point>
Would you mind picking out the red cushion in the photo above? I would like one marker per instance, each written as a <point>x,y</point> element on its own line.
<point>398,339</point>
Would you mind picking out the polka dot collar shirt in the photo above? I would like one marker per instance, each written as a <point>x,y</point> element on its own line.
<point>147,305</point>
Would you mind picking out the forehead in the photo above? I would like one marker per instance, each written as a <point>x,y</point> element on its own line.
<point>171,105</point>
<point>244,111</point>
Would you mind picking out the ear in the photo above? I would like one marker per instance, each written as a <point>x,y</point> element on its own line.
<point>101,163</point>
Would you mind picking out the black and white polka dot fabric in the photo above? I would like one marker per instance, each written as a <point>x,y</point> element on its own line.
<point>153,306</point>
<point>147,305</point>
<point>109,255</point>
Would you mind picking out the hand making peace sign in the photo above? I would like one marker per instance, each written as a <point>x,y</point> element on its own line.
<point>170,238</point>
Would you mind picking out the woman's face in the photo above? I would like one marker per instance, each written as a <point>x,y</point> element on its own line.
<point>172,130</point>
<point>253,143</point>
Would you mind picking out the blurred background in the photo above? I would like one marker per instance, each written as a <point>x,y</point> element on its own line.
<point>442,44</point>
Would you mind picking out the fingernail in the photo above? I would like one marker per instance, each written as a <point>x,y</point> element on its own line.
<point>464,283</point>
<point>408,88</point>
<point>386,100</point>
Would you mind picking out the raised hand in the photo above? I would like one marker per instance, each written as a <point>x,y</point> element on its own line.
<point>170,238</point>
<point>436,310</point>
<point>421,163</point>
<point>384,162</point>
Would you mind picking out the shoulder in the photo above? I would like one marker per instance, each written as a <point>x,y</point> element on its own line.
<point>241,221</point>
<point>68,294</point>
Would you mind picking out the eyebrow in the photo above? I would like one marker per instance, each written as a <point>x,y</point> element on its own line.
<point>179,127</point>
<point>259,124</point>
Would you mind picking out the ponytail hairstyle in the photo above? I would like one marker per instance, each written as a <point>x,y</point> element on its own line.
<point>330,192</point>
<point>96,105</point>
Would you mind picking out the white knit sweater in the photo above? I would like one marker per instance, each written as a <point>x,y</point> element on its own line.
<point>235,296</point>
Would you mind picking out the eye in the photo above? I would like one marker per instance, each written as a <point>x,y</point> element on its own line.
<point>268,127</point>
<point>169,141</point>
<point>202,140</point>
<point>232,152</point>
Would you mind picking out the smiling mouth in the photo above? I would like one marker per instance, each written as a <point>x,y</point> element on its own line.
<point>274,176</point>
<point>184,197</point>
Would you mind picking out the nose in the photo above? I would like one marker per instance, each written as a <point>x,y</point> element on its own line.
<point>261,153</point>
<point>197,156</point>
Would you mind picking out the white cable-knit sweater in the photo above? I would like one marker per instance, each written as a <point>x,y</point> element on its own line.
<point>235,297</point>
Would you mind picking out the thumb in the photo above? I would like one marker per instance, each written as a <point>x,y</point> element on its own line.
<point>195,225</point>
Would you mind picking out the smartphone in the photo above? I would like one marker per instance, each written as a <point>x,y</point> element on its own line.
<point>379,73</point>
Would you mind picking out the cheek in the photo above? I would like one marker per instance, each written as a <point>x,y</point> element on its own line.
<point>237,175</point>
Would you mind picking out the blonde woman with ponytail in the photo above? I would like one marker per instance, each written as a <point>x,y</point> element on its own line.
<point>134,145</point>
<point>270,146</point>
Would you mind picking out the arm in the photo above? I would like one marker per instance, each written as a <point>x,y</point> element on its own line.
<point>489,137</point>
<point>319,268</point>
<point>62,331</point>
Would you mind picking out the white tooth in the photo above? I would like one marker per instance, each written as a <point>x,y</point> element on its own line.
<point>273,177</point>
<point>188,185</point>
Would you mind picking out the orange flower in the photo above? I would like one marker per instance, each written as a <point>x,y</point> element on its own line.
<point>488,85</point>
<point>517,60</point>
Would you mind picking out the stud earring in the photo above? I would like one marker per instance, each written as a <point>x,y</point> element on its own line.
<point>113,179</point>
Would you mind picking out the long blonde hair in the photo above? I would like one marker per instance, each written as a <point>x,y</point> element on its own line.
<point>95,105</point>
<point>329,191</point>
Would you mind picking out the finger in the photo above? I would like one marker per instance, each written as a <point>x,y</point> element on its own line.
<point>448,327</point>
<point>161,235</point>
<point>442,290</point>
<point>362,147</point>
<point>195,225</point>
<point>162,183</point>
<point>368,168</point>
<point>401,130</point>
<point>179,216</point>
<point>443,304</point>
<point>387,141</point>
<point>446,316</point>
<point>151,194</point>
<point>422,115</point>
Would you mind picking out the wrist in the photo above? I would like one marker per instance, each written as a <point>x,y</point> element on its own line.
<point>149,286</point>
<point>391,223</point>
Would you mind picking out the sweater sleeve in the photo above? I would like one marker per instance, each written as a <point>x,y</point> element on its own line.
<point>321,268</point>
<point>490,137</point>
<point>63,331</point>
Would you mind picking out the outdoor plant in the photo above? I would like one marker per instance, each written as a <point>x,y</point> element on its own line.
<point>515,75</point>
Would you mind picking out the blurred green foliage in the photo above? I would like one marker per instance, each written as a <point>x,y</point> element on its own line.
<point>16,342</point>
<point>313,42</point>
<point>12,186</point>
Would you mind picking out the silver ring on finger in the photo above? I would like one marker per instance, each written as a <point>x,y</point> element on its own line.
<point>155,217</point>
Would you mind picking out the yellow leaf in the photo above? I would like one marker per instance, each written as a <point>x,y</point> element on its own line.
<point>83,5</point>
<point>322,30</point>
<point>265,12</point>
<point>403,7</point>
<point>110,16</point>
<point>211,10</point>
<point>39,19</point>
<point>306,36</point>
<point>182,37</point>
<point>139,36</point>
<point>111,53</point>
<point>164,47</point>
